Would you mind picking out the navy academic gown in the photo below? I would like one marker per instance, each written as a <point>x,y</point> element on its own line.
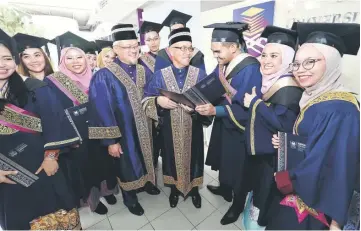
<point>148,61</point>
<point>325,179</point>
<point>164,60</point>
<point>227,147</point>
<point>274,111</point>
<point>182,133</point>
<point>88,166</point>
<point>117,116</point>
<point>20,204</point>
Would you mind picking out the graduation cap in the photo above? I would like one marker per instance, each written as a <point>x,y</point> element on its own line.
<point>25,41</point>
<point>69,39</point>
<point>176,17</point>
<point>345,37</point>
<point>280,35</point>
<point>101,44</point>
<point>150,26</point>
<point>178,35</point>
<point>228,32</point>
<point>123,32</point>
<point>10,43</point>
<point>90,48</point>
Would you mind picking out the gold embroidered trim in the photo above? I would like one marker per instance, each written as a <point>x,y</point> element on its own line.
<point>22,120</point>
<point>140,79</point>
<point>301,206</point>
<point>280,83</point>
<point>104,132</point>
<point>72,88</point>
<point>140,119</point>
<point>61,142</point>
<point>345,96</point>
<point>234,118</point>
<point>149,61</point>
<point>4,130</point>
<point>150,108</point>
<point>181,123</point>
<point>179,184</point>
<point>253,119</point>
<point>60,220</point>
<point>129,186</point>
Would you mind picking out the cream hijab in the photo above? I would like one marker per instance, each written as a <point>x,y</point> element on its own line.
<point>331,79</point>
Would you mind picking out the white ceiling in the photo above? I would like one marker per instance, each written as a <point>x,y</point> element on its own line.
<point>80,10</point>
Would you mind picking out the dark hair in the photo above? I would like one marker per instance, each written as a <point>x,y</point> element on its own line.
<point>242,45</point>
<point>24,70</point>
<point>16,92</point>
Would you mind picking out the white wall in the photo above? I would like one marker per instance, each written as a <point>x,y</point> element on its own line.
<point>159,10</point>
<point>286,11</point>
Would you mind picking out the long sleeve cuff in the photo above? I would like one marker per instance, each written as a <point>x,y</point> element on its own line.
<point>220,111</point>
<point>284,183</point>
<point>150,107</point>
<point>99,133</point>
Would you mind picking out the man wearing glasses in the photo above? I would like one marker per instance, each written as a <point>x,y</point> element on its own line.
<point>117,118</point>
<point>181,127</point>
<point>176,20</point>
<point>150,30</point>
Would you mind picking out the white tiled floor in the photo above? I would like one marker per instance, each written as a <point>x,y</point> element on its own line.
<point>160,216</point>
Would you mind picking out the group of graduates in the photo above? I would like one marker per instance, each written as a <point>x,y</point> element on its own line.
<point>49,167</point>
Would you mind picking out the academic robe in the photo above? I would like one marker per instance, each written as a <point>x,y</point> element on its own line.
<point>148,61</point>
<point>164,60</point>
<point>324,181</point>
<point>227,147</point>
<point>182,133</point>
<point>90,171</point>
<point>24,137</point>
<point>270,113</point>
<point>117,116</point>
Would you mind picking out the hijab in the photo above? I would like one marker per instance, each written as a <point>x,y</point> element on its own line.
<point>331,79</point>
<point>287,54</point>
<point>82,78</point>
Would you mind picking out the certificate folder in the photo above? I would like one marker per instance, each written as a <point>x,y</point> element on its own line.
<point>291,151</point>
<point>78,117</point>
<point>206,91</point>
<point>23,177</point>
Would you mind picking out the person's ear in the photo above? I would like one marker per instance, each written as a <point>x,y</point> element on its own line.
<point>171,51</point>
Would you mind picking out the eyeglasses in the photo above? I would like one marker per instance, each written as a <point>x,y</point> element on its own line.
<point>184,49</point>
<point>307,64</point>
<point>152,39</point>
<point>136,48</point>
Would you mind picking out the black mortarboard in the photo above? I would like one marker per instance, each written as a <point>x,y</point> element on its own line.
<point>228,32</point>
<point>150,26</point>
<point>178,35</point>
<point>25,41</point>
<point>101,44</point>
<point>123,32</point>
<point>280,35</point>
<point>345,37</point>
<point>69,39</point>
<point>176,17</point>
<point>10,43</point>
<point>90,48</point>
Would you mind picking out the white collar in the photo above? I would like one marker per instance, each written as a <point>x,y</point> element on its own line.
<point>239,58</point>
